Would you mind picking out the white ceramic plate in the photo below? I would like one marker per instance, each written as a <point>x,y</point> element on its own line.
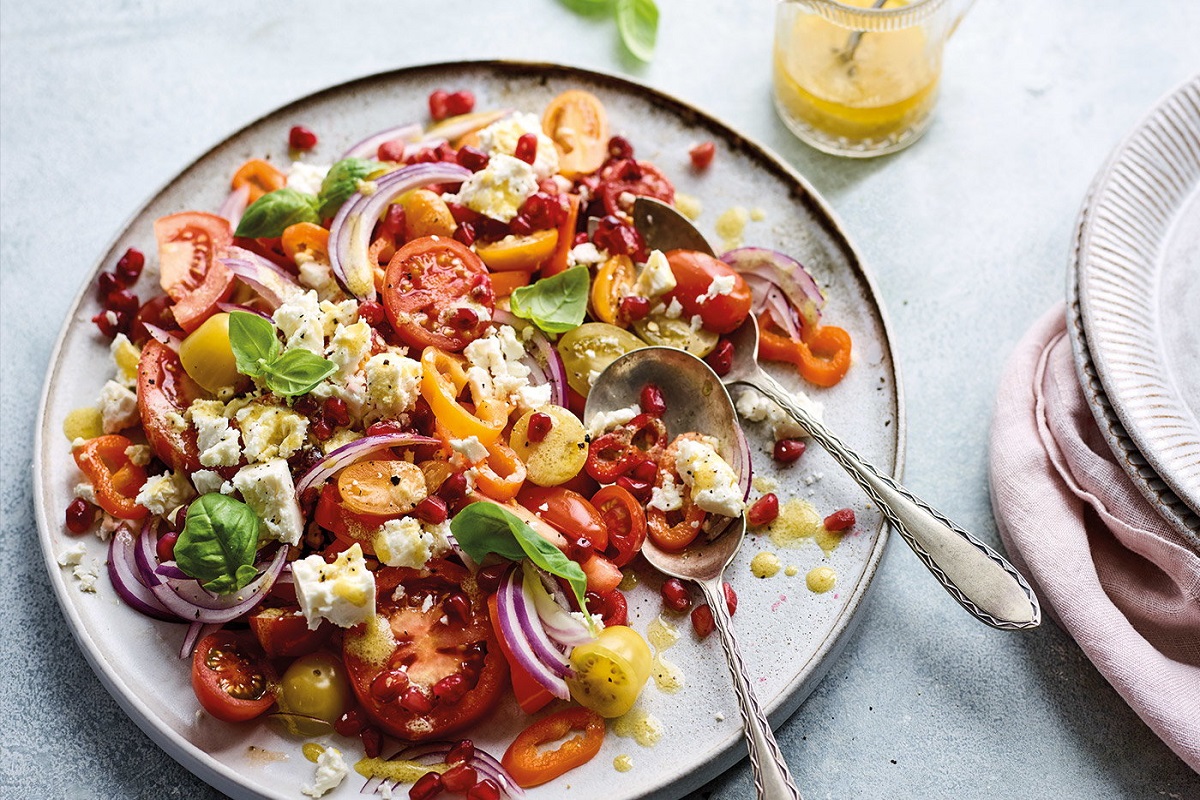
<point>1138,273</point>
<point>787,633</point>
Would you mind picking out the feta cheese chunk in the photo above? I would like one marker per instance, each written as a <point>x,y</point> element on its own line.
<point>118,408</point>
<point>713,482</point>
<point>656,278</point>
<point>164,493</point>
<point>72,556</point>
<point>753,407</point>
<point>393,385</point>
<point>302,322</point>
<point>331,771</point>
<point>469,448</point>
<point>587,254</point>
<point>307,178</point>
<point>342,592</point>
<point>500,138</point>
<point>499,189</point>
<point>722,284</point>
<point>666,497</point>
<point>348,347</point>
<point>607,420</point>
<point>216,440</point>
<point>208,481</point>
<point>406,542</point>
<point>269,491</point>
<point>271,432</point>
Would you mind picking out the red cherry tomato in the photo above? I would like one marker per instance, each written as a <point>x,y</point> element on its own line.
<point>625,520</point>
<point>612,607</point>
<point>437,292</point>
<point>569,512</point>
<point>636,178</point>
<point>284,632</point>
<point>231,677</point>
<point>164,392</point>
<point>156,311</point>
<point>189,246</point>
<point>694,273</point>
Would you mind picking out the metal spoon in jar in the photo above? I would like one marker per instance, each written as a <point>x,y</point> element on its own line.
<point>975,575</point>
<point>697,401</point>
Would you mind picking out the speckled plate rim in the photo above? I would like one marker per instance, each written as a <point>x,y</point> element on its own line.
<point>1155,172</point>
<point>732,750</point>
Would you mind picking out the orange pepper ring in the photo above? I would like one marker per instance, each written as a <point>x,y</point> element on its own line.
<point>443,377</point>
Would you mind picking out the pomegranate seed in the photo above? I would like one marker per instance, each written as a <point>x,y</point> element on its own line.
<point>451,689</point>
<point>486,789</point>
<point>453,488</point>
<point>702,155</point>
<point>721,358</point>
<point>840,520</point>
<point>111,322</point>
<point>446,152</point>
<point>638,488</point>
<point>165,548</point>
<point>306,405</point>
<point>644,471</point>
<point>463,318</point>
<point>460,102</point>
<point>106,284</point>
<point>632,308</point>
<point>461,213</point>
<point>439,105</point>
<point>301,138</point>
<point>459,778</point>
<point>372,312</point>
<point>702,621</point>
<point>730,598</point>
<point>617,238</point>
<point>372,741</point>
<point>416,701</point>
<point>457,608</point>
<point>322,430</point>
<point>764,511</point>
<point>122,300</point>
<point>389,685</point>
<point>489,577</point>
<point>129,266</point>
<point>582,238</point>
<point>540,424</point>
<point>391,151</point>
<point>520,225</point>
<point>465,233</point>
<point>431,510</point>
<point>427,787</point>
<point>526,148</point>
<point>461,753</point>
<point>675,595</point>
<point>619,148</point>
<point>788,450</point>
<point>335,410</point>
<point>652,401</point>
<point>349,724</point>
<point>473,158</point>
<point>80,515</point>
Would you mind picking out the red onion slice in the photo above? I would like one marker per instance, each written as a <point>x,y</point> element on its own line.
<point>527,617</point>
<point>456,127</point>
<point>161,336</point>
<point>434,753</point>
<point>797,284</point>
<point>350,233</point>
<point>349,453</point>
<point>369,147</point>
<point>126,577</point>
<point>518,639</point>
<point>272,283</point>
<point>230,307</point>
<point>558,622</point>
<point>196,631</point>
<point>235,205</point>
<point>768,296</point>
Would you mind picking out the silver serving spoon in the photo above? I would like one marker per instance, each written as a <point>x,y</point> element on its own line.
<point>697,401</point>
<point>975,575</point>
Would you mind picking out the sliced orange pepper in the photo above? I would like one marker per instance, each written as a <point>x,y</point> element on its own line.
<point>305,237</point>
<point>557,262</point>
<point>503,283</point>
<point>115,479</point>
<point>530,764</point>
<point>821,355</point>
<point>613,281</point>
<point>260,176</point>
<point>443,377</point>
<point>501,476</point>
<point>518,252</point>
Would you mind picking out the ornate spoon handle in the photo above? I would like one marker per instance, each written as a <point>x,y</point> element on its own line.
<point>771,776</point>
<point>975,575</point>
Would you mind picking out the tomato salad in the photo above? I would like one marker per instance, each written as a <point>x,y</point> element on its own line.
<point>344,445</point>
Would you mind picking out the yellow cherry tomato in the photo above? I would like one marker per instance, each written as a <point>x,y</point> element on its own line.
<point>578,124</point>
<point>614,280</point>
<point>518,252</point>
<point>610,671</point>
<point>314,689</point>
<point>207,356</point>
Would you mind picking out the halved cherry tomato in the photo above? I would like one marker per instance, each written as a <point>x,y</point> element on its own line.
<point>502,474</point>
<point>675,530</point>
<point>569,512</point>
<point>164,393</point>
<point>557,262</point>
<point>190,245</point>
<point>610,671</point>
<point>578,124</point>
<point>441,639</point>
<point>385,488</point>
<point>518,252</point>
<point>305,237</point>
<point>530,764</point>
<point>694,273</point>
<point>503,283</point>
<point>115,479</point>
<point>531,695</point>
<point>614,280</point>
<point>284,633</point>
<point>625,520</point>
<point>821,355</point>
<point>437,292</point>
<point>443,377</point>
<point>635,178</point>
<point>612,607</point>
<point>260,176</point>
<point>343,523</point>
<point>155,311</point>
<point>231,677</point>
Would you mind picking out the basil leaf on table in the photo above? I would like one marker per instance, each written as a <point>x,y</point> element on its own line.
<point>637,22</point>
<point>483,528</point>
<point>218,543</point>
<point>296,372</point>
<point>556,304</point>
<point>340,182</point>
<point>271,214</point>
<point>253,341</point>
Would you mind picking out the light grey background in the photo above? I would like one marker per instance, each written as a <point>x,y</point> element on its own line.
<point>967,233</point>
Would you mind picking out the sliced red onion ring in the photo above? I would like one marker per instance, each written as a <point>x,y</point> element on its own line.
<point>434,753</point>
<point>527,617</point>
<point>769,296</point>
<point>273,284</point>
<point>456,127</point>
<point>369,147</point>
<point>797,284</point>
<point>228,307</point>
<point>349,453</point>
<point>196,631</point>
<point>235,205</point>
<point>161,336</point>
<point>544,362</point>
<point>350,233</point>
<point>126,577</point>
<point>519,641</point>
<point>559,623</point>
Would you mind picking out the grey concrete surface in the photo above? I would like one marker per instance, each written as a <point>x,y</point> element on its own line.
<point>967,234</point>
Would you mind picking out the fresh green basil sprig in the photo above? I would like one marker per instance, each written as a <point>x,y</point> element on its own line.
<point>342,181</point>
<point>270,215</point>
<point>218,543</point>
<point>556,304</point>
<point>637,21</point>
<point>258,354</point>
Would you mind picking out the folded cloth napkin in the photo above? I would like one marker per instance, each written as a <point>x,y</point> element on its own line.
<point>1120,580</point>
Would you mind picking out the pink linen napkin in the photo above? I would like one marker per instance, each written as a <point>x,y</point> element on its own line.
<point>1117,577</point>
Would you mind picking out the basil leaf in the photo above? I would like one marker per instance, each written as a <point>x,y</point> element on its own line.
<point>218,543</point>
<point>588,7</point>
<point>296,372</point>
<point>271,214</point>
<point>556,304</point>
<point>482,528</point>
<point>637,22</point>
<point>253,341</point>
<point>340,182</point>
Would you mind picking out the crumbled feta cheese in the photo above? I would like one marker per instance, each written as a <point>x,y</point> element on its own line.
<point>302,322</point>
<point>353,392</point>
<point>118,408</point>
<point>347,349</point>
<point>85,491</point>
<point>208,481</point>
<point>666,497</point>
<point>164,493</point>
<point>500,138</point>
<point>674,310</point>
<point>269,491</point>
<point>331,771</point>
<point>656,278</point>
<point>713,482</point>
<point>270,432</point>
<point>469,448</point>
<point>393,385</point>
<point>496,370</point>
<point>499,189</point>
<point>722,284</point>
<point>108,526</point>
<point>215,439</point>
<point>344,312</point>
<point>72,556</point>
<point>86,575</point>
<point>696,322</point>
<point>587,254</point>
<point>340,437</point>
<point>126,356</point>
<point>753,407</point>
<point>405,542</point>
<point>606,421</point>
<point>307,178</point>
<point>342,592</point>
<point>139,454</point>
<point>318,276</point>
<point>531,398</point>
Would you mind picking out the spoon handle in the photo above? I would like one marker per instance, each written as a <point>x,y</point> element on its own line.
<point>771,776</point>
<point>975,575</point>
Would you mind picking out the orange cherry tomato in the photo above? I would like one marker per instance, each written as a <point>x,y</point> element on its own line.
<point>305,237</point>
<point>349,527</point>
<point>578,124</point>
<point>503,283</point>
<point>501,476</point>
<point>614,280</point>
<point>518,252</point>
<point>531,696</point>
<point>443,377</point>
<point>557,262</point>
<point>260,176</point>
<point>115,479</point>
<point>531,765</point>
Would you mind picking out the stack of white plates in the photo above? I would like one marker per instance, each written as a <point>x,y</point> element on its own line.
<point>1134,306</point>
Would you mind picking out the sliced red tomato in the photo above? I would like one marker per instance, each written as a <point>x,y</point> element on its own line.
<point>284,632</point>
<point>189,246</point>
<point>437,292</point>
<point>531,764</point>
<point>694,274</point>
<point>569,512</point>
<point>164,392</point>
<point>441,669</point>
<point>625,520</point>
<point>231,677</point>
<point>635,178</point>
<point>531,696</point>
